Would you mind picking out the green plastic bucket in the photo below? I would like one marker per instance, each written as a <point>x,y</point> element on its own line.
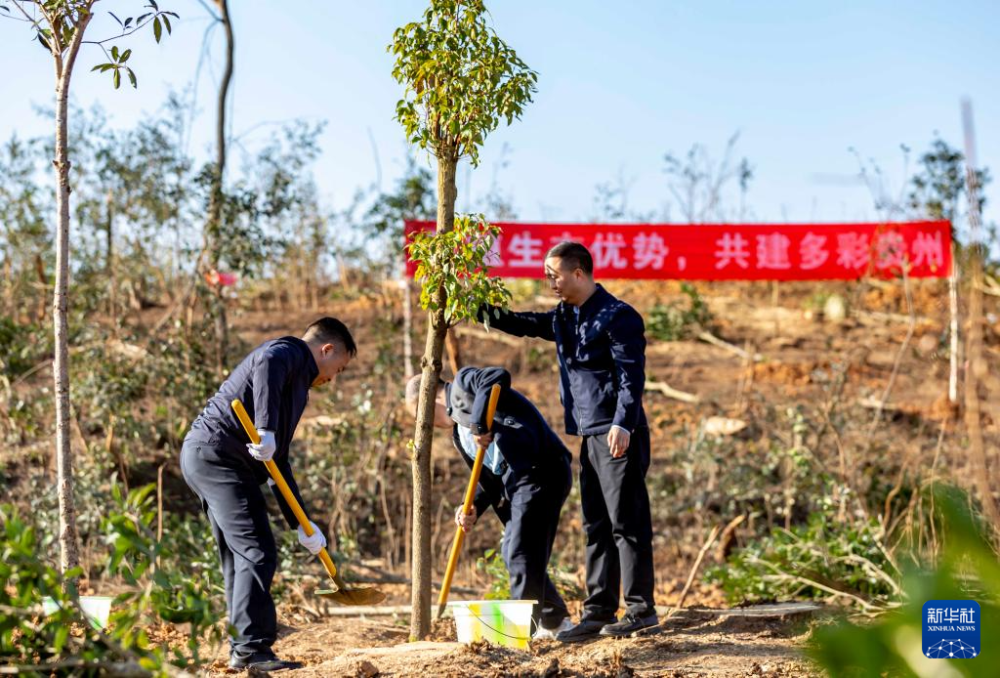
<point>96,608</point>
<point>503,622</point>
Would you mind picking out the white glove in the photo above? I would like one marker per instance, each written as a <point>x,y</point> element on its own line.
<point>314,543</point>
<point>265,450</point>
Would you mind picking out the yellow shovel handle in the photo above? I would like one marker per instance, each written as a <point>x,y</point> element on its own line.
<point>470,493</point>
<point>283,487</point>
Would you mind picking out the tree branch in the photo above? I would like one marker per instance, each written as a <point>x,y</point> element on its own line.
<point>74,46</point>
<point>124,34</point>
<point>26,15</point>
<point>209,11</point>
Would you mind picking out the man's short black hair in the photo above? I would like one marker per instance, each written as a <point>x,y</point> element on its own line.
<point>331,331</point>
<point>573,256</point>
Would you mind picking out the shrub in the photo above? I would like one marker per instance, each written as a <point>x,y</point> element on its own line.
<point>672,322</point>
<point>967,569</point>
<point>823,558</point>
<point>63,642</point>
<point>164,584</point>
<point>498,579</point>
<point>21,346</point>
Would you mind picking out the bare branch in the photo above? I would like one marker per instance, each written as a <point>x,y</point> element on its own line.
<point>26,18</point>
<point>209,11</point>
<point>17,4</point>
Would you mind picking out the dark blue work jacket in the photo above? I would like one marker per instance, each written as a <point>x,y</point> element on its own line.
<point>273,384</point>
<point>602,359</point>
<point>528,445</point>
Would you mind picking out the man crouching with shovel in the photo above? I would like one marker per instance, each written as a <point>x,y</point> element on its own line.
<point>525,478</point>
<point>225,472</point>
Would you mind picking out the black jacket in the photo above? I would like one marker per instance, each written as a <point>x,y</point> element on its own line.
<point>524,438</point>
<point>273,384</point>
<point>602,360</point>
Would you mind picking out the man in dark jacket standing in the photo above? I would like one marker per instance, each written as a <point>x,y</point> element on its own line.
<point>526,478</point>
<point>601,352</point>
<point>226,473</point>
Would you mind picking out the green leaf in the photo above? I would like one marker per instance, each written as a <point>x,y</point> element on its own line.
<point>62,635</point>
<point>157,29</point>
<point>131,78</point>
<point>43,42</point>
<point>125,55</point>
<point>114,53</point>
<point>117,78</point>
<point>166,22</point>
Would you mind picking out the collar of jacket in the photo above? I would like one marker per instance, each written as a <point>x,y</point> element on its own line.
<point>593,303</point>
<point>311,367</point>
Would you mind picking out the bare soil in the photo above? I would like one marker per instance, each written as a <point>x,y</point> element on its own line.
<point>693,643</point>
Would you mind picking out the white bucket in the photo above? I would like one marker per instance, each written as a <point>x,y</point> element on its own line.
<point>96,608</point>
<point>504,622</point>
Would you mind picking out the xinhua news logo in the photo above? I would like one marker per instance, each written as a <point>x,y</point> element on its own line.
<point>951,629</point>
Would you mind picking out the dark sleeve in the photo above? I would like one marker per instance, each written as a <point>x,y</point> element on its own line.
<point>286,510</point>
<point>481,501</point>
<point>269,377</point>
<point>540,325</point>
<point>481,382</point>
<point>628,349</point>
<point>481,498</point>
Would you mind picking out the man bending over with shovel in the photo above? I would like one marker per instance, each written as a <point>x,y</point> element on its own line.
<point>526,478</point>
<point>225,472</point>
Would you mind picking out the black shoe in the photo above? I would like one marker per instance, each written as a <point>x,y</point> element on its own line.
<point>261,661</point>
<point>629,624</point>
<point>587,629</point>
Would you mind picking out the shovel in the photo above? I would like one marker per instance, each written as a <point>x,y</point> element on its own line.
<point>470,493</point>
<point>341,594</point>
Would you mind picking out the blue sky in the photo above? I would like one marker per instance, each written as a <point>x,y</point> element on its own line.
<point>620,84</point>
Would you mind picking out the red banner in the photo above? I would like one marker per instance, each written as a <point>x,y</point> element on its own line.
<point>729,252</point>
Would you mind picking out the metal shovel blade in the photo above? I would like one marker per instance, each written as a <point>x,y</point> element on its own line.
<point>367,595</point>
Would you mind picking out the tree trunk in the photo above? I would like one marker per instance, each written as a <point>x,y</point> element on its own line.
<point>215,202</point>
<point>420,620</point>
<point>43,282</point>
<point>975,371</point>
<point>69,556</point>
<point>8,285</point>
<point>447,193</point>
<point>407,327</point>
<point>221,331</point>
<point>976,366</point>
<point>953,327</point>
<point>454,350</point>
<point>109,265</point>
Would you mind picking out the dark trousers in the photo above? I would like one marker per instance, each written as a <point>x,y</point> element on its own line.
<point>618,525</point>
<point>234,504</point>
<point>529,530</point>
